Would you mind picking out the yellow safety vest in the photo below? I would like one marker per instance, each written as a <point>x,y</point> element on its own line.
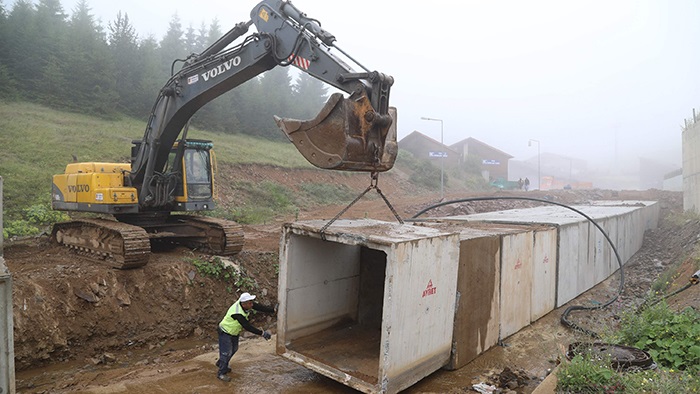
<point>230,325</point>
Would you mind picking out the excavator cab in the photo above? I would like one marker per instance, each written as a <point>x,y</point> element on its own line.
<point>195,188</point>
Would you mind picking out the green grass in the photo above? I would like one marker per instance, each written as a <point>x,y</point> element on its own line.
<point>262,202</point>
<point>670,337</point>
<point>233,276</point>
<point>37,142</point>
<point>243,149</point>
<point>589,375</point>
<point>662,283</point>
<point>322,193</point>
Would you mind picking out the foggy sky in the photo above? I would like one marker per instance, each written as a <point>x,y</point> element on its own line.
<point>605,81</point>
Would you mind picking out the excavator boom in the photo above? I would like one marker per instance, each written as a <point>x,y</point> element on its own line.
<point>353,133</point>
<point>349,134</point>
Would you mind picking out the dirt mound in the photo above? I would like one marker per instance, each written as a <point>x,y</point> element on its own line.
<point>68,307</point>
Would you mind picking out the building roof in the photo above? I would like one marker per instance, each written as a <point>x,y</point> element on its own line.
<point>474,141</point>
<point>417,135</point>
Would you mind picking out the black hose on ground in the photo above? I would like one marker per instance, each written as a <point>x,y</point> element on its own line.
<point>565,316</point>
<point>694,280</point>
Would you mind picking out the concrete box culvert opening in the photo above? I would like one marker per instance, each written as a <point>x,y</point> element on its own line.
<point>372,306</point>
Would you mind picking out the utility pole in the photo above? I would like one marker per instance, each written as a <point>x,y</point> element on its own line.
<point>442,159</point>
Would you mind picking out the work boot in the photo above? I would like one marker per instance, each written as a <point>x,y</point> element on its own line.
<point>218,365</point>
<point>224,378</point>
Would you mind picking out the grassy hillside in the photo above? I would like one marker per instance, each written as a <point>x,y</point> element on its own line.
<point>37,142</point>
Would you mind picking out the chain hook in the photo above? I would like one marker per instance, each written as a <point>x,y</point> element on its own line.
<point>374,181</point>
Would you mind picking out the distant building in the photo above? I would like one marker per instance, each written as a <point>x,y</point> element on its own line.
<point>427,148</point>
<point>493,162</point>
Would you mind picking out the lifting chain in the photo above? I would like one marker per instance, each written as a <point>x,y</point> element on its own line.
<point>374,180</point>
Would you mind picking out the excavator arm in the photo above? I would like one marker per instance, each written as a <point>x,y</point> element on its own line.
<point>351,134</point>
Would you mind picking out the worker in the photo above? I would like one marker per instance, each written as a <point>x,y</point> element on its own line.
<point>230,327</point>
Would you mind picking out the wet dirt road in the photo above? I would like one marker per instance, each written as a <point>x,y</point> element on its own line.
<point>187,366</point>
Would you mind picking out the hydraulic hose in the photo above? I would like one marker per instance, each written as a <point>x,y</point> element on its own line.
<point>565,316</point>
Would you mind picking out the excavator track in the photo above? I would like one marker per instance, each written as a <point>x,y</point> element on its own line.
<point>119,245</point>
<point>222,237</point>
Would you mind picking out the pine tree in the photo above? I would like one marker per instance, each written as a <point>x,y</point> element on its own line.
<point>214,33</point>
<point>276,99</point>
<point>309,96</point>
<point>8,85</point>
<point>202,38</point>
<point>124,52</point>
<point>216,115</point>
<point>153,76</point>
<point>89,73</point>
<point>3,30</point>
<point>20,53</point>
<point>50,28</point>
<point>172,47</point>
<point>54,82</point>
<point>191,41</point>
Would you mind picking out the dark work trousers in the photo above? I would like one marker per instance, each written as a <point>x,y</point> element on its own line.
<point>228,346</point>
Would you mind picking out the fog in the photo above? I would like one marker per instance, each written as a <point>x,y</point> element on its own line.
<point>604,81</point>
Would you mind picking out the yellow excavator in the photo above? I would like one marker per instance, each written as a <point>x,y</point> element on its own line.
<point>170,174</point>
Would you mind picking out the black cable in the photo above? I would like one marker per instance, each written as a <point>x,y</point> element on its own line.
<point>564,317</point>
<point>289,59</point>
<point>694,280</point>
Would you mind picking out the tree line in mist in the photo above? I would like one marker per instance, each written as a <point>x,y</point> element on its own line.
<point>72,62</point>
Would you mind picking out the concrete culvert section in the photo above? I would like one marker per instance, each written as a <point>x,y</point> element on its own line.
<point>372,306</point>
<point>378,306</point>
<point>7,363</point>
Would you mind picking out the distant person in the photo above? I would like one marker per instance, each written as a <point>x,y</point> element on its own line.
<point>230,327</point>
<point>520,184</point>
<point>527,184</point>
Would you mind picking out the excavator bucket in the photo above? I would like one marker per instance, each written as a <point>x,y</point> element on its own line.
<point>348,134</point>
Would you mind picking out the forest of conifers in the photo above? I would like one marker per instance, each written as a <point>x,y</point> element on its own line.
<point>68,60</point>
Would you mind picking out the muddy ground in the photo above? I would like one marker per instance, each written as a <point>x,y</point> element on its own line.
<point>84,327</point>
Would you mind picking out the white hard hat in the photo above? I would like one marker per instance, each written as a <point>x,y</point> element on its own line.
<point>246,297</point>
